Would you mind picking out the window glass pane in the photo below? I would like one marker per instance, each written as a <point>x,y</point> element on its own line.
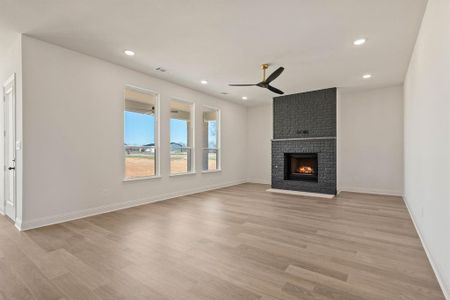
<point>180,137</point>
<point>139,134</point>
<point>212,158</point>
<point>210,140</point>
<point>212,134</point>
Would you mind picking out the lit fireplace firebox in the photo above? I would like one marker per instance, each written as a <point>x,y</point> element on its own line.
<point>301,166</point>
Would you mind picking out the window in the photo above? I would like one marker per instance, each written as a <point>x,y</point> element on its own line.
<point>211,139</point>
<point>140,133</point>
<point>181,137</point>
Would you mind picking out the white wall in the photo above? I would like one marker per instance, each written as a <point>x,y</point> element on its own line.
<point>427,137</point>
<point>370,141</point>
<point>259,135</point>
<point>10,63</point>
<point>370,137</point>
<point>73,137</point>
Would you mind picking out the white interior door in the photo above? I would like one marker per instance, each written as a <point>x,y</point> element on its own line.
<point>9,98</point>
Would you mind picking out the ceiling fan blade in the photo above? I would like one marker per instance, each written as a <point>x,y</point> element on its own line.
<point>242,84</point>
<point>275,90</point>
<point>274,75</point>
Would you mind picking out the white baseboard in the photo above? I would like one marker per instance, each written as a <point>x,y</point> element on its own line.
<point>18,224</point>
<point>370,191</point>
<point>439,277</point>
<point>41,222</point>
<point>297,193</point>
<point>259,181</point>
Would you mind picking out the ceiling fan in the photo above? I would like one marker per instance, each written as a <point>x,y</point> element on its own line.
<point>265,83</point>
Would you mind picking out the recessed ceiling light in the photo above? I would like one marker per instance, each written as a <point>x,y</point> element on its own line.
<point>359,42</point>
<point>204,82</point>
<point>367,76</point>
<point>129,52</point>
<point>244,98</point>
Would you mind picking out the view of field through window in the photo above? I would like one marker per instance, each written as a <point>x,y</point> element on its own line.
<point>210,140</point>
<point>139,134</point>
<point>180,150</point>
<point>181,137</point>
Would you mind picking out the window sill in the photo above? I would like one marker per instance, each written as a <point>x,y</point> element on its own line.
<point>141,178</point>
<point>182,174</point>
<point>212,171</point>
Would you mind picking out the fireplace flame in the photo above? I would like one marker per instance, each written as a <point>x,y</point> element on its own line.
<point>305,170</point>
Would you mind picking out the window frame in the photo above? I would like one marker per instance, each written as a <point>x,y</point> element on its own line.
<point>219,138</point>
<point>192,146</point>
<point>157,134</point>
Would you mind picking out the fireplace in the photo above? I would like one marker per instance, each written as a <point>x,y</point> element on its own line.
<point>304,142</point>
<point>301,166</point>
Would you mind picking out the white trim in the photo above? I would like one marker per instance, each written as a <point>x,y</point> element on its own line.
<point>371,191</point>
<point>131,179</point>
<point>193,133</point>
<point>40,222</point>
<point>10,80</point>
<point>158,136</point>
<point>182,174</point>
<point>9,87</point>
<point>18,224</point>
<point>338,140</point>
<point>258,181</point>
<point>439,277</point>
<point>210,107</point>
<point>297,193</point>
<point>157,130</point>
<point>211,171</point>
<point>219,138</point>
<point>142,90</point>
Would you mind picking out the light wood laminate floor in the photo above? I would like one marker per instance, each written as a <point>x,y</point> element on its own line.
<point>234,243</point>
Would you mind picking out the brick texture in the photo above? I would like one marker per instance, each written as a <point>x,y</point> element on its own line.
<point>314,112</point>
<point>306,115</point>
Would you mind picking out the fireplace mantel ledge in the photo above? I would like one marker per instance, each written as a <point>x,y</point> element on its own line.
<point>305,139</point>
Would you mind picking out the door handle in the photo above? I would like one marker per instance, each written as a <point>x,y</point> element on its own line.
<point>11,168</point>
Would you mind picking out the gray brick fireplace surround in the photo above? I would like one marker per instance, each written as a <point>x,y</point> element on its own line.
<point>305,123</point>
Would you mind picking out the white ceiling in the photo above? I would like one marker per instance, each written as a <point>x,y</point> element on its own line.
<point>225,41</point>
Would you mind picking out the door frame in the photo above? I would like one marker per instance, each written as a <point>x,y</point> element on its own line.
<point>9,84</point>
